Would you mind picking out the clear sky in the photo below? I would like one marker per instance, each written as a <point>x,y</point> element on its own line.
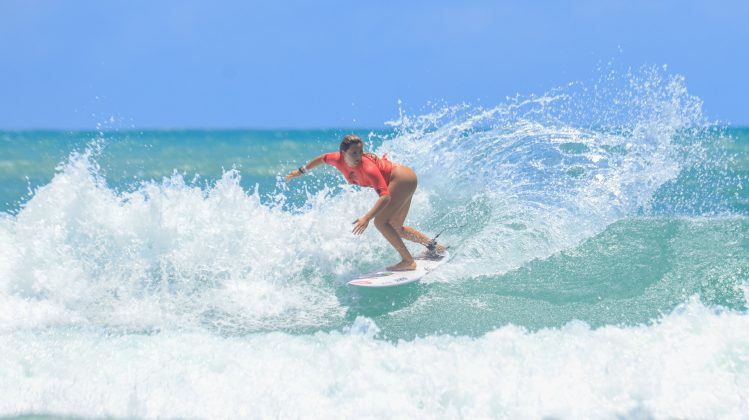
<point>319,64</point>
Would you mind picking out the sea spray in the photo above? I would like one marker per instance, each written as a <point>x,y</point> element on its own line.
<point>586,280</point>
<point>520,181</point>
<point>541,173</point>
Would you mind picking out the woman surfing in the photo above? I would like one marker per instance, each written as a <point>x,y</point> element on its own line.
<point>394,183</point>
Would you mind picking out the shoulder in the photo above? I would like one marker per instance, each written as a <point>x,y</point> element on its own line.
<point>370,166</point>
<point>331,157</point>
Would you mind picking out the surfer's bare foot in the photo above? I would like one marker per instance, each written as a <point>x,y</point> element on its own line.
<point>403,266</point>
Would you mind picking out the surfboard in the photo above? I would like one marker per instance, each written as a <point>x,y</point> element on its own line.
<point>425,264</point>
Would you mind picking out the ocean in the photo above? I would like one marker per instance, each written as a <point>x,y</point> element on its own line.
<point>599,267</point>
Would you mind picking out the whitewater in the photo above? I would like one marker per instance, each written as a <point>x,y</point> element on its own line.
<point>599,266</point>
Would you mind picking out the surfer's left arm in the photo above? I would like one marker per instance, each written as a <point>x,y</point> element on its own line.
<point>378,183</point>
<point>305,168</point>
<point>362,222</point>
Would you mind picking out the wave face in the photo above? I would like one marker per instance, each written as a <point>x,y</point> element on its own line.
<point>597,232</point>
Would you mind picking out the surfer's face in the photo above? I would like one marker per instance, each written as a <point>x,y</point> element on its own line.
<point>354,154</point>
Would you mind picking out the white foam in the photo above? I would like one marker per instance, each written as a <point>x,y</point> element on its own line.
<point>540,198</point>
<point>693,363</point>
<point>168,252</point>
<point>171,253</point>
<point>183,271</point>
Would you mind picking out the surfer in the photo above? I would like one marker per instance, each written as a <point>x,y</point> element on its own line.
<point>394,183</point>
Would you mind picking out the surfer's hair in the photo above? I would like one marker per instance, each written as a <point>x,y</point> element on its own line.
<point>350,139</point>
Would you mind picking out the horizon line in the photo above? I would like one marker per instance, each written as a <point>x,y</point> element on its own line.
<point>133,129</point>
<point>342,128</point>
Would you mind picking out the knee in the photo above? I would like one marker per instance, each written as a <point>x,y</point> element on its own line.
<point>380,223</point>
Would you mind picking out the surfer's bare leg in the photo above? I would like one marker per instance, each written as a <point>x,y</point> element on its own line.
<point>402,186</point>
<point>409,233</point>
<point>407,260</point>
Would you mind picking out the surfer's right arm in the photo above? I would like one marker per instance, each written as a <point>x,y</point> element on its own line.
<point>305,168</point>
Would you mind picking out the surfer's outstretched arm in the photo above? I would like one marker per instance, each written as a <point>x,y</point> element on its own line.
<point>304,168</point>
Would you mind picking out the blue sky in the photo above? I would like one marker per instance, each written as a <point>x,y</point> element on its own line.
<point>317,64</point>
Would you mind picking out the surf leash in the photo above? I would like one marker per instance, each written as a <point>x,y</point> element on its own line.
<point>432,245</point>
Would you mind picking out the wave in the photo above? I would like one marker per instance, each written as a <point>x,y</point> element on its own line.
<point>693,362</point>
<point>521,181</point>
<point>539,174</point>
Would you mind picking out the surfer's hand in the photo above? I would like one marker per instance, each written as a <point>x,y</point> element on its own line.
<point>361,224</point>
<point>293,174</point>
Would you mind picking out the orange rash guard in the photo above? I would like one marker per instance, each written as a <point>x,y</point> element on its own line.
<point>370,173</point>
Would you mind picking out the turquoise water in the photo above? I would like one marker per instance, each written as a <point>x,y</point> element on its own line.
<point>600,252</point>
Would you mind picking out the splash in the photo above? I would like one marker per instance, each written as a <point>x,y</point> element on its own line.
<point>512,183</point>
<point>538,174</point>
<point>170,253</point>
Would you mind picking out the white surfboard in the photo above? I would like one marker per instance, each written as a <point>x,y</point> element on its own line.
<point>385,278</point>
